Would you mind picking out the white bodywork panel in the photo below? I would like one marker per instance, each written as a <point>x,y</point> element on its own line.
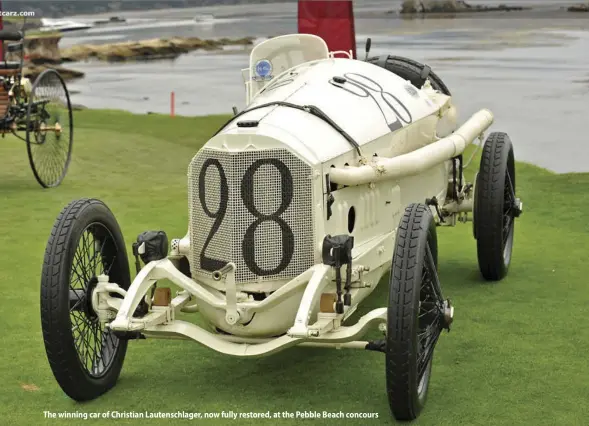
<point>366,114</point>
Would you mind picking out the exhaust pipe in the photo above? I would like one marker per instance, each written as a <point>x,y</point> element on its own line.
<point>418,161</point>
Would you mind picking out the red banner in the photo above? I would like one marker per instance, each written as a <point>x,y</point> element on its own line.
<point>332,20</point>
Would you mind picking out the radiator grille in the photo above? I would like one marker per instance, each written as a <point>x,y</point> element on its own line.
<point>253,208</point>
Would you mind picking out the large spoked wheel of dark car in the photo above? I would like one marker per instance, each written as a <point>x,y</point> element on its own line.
<point>86,241</point>
<point>495,207</point>
<point>49,129</point>
<point>417,313</point>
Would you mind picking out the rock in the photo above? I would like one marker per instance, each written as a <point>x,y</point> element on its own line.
<point>579,8</point>
<point>432,6</point>
<point>450,6</point>
<point>44,49</point>
<point>111,20</point>
<point>146,49</point>
<point>409,6</point>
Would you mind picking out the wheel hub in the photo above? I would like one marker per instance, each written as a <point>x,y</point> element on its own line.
<point>39,130</point>
<point>517,207</point>
<point>448,314</point>
<point>88,309</point>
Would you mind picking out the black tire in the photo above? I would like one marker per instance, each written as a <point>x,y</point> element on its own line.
<point>49,151</point>
<point>67,316</point>
<point>493,213</point>
<point>413,288</point>
<point>411,70</point>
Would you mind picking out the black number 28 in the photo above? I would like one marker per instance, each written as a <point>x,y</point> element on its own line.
<point>247,195</point>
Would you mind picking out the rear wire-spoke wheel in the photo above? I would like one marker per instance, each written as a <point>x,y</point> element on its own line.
<point>417,313</point>
<point>49,129</point>
<point>495,207</point>
<point>86,241</point>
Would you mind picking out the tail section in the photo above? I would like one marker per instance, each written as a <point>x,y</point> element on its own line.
<point>332,20</point>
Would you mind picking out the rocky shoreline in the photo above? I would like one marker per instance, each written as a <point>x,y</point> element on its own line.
<point>451,7</point>
<point>43,52</point>
<point>413,7</point>
<point>146,49</point>
<point>581,7</point>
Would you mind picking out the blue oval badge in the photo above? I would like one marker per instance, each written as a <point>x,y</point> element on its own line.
<point>264,68</point>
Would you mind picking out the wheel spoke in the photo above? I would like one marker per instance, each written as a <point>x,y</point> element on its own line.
<point>510,191</point>
<point>434,310</point>
<point>508,208</point>
<point>106,271</point>
<point>95,253</point>
<point>427,353</point>
<point>77,299</point>
<point>96,346</point>
<point>434,280</point>
<point>430,314</point>
<point>506,229</point>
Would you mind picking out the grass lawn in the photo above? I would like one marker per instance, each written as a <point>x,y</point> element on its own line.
<point>516,353</point>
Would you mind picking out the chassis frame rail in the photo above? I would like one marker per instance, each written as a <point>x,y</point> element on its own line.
<point>161,322</point>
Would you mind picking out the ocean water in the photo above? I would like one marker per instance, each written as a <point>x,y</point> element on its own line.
<point>531,68</point>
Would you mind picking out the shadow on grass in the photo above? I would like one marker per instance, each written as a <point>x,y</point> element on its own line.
<point>12,184</point>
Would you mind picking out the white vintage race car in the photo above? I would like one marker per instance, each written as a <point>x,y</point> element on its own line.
<point>337,172</point>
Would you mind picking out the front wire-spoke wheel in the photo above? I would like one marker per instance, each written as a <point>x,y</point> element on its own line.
<point>86,242</point>
<point>95,255</point>
<point>417,313</point>
<point>49,129</point>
